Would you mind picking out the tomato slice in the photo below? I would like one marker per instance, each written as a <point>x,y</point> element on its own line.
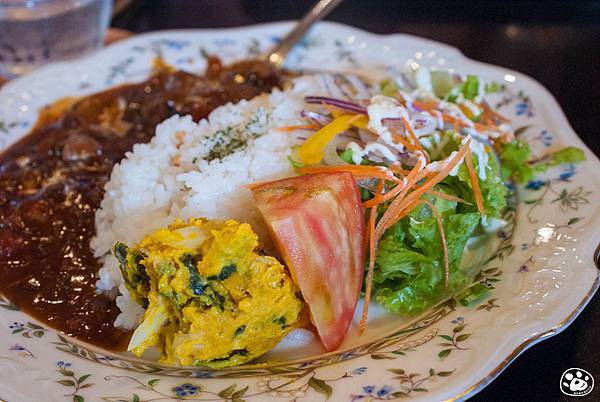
<point>317,223</point>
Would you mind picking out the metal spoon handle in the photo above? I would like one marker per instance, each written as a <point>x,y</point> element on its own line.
<point>278,54</point>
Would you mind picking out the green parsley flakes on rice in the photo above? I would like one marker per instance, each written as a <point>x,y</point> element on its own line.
<point>197,170</point>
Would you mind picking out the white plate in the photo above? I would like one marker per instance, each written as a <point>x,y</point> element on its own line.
<point>544,275</point>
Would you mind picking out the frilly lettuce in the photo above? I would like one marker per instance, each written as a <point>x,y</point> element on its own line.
<point>409,266</point>
<point>516,160</point>
<point>409,274</point>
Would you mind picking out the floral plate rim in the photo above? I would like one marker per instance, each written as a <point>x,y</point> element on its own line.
<point>521,348</point>
<point>557,114</point>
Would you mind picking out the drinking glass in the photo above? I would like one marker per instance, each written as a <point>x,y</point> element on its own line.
<point>36,32</point>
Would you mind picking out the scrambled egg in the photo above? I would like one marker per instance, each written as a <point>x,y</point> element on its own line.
<point>210,299</point>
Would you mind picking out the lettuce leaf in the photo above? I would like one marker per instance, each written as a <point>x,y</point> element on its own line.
<point>409,266</point>
<point>492,87</point>
<point>514,158</point>
<point>346,156</point>
<point>470,88</point>
<point>492,188</point>
<point>517,163</point>
<point>443,82</point>
<point>389,88</point>
<point>409,269</point>
<point>566,155</point>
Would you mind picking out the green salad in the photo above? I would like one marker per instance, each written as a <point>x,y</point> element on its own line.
<point>434,163</point>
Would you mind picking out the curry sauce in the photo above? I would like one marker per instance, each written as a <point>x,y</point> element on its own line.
<point>51,183</point>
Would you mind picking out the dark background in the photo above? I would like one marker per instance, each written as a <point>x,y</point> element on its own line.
<point>556,42</point>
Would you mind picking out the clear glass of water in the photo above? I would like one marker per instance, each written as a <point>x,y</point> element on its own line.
<point>36,32</point>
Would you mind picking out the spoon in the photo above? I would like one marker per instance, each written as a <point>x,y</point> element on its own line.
<point>278,54</point>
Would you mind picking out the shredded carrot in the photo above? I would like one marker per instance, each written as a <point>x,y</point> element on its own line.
<point>488,110</point>
<point>440,225</point>
<point>369,279</point>
<point>369,234</point>
<point>394,212</point>
<point>413,176</point>
<point>379,172</point>
<point>425,105</point>
<point>402,205</point>
<point>377,199</point>
<point>299,127</point>
<point>395,167</point>
<point>474,182</point>
<point>453,120</point>
<point>374,237</point>
<point>372,241</point>
<point>401,140</point>
<point>377,196</point>
<point>411,133</point>
<point>448,119</point>
<point>447,196</point>
<point>466,111</point>
<point>457,123</point>
<point>380,229</point>
<point>485,127</point>
<point>486,119</point>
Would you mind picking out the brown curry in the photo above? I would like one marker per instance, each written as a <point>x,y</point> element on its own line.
<point>51,183</point>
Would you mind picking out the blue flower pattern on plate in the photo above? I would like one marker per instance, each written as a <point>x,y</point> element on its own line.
<point>359,371</point>
<point>63,365</point>
<point>568,173</point>
<point>535,184</point>
<point>458,320</point>
<point>523,107</point>
<point>185,390</point>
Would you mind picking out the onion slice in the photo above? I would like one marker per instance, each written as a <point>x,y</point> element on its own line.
<point>315,117</point>
<point>341,104</point>
<point>330,152</point>
<point>362,91</point>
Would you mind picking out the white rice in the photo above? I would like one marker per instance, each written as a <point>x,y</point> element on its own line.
<point>170,178</point>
